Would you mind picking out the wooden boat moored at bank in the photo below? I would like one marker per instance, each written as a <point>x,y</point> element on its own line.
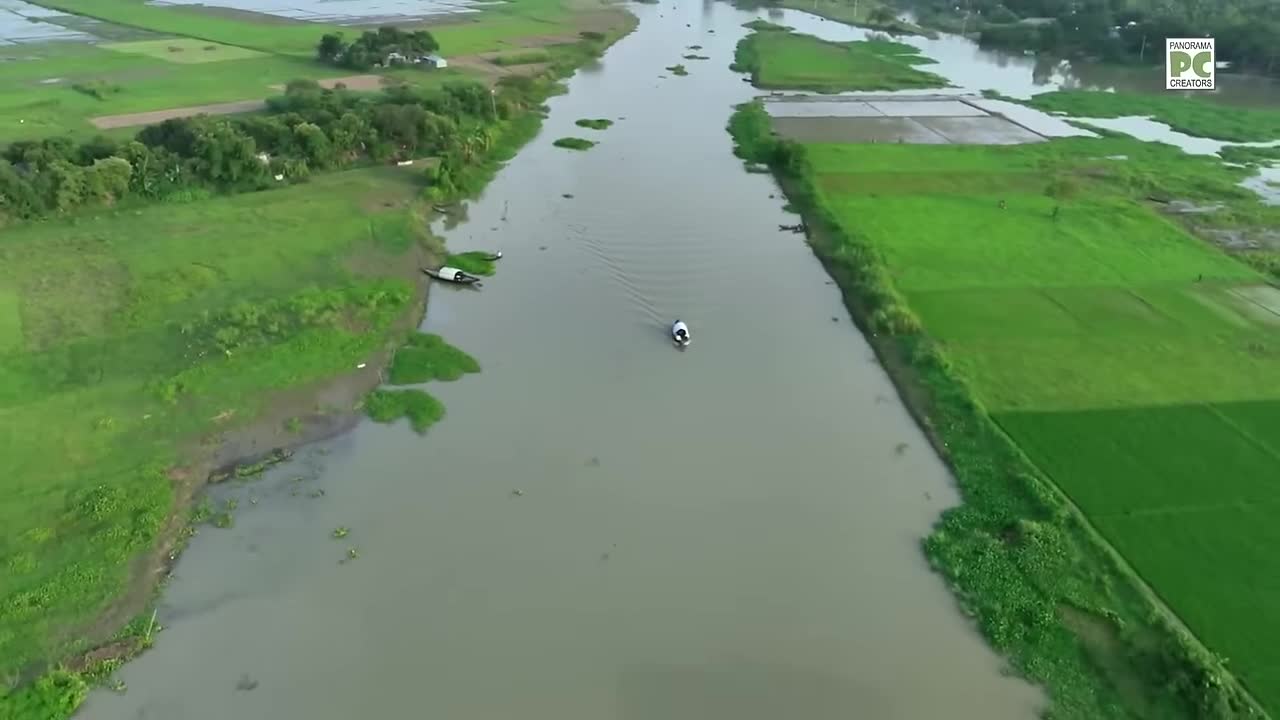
<point>453,275</point>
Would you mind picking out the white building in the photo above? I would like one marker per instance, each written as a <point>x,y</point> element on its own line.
<point>435,61</point>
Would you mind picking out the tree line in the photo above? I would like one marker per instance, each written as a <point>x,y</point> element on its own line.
<point>373,47</point>
<point>1247,31</point>
<point>307,129</point>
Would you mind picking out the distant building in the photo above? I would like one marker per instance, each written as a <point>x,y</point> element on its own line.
<point>434,61</point>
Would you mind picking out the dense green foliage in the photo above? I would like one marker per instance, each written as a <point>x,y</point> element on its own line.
<point>1247,31</point>
<point>779,59</point>
<point>1192,116</point>
<point>596,124</point>
<point>426,357</point>
<point>388,406</point>
<point>305,130</point>
<point>997,274</point>
<point>526,57</point>
<point>387,46</point>
<point>574,143</point>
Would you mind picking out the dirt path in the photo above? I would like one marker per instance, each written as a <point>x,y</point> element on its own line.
<point>107,122</point>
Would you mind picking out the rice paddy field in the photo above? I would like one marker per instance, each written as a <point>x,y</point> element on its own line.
<point>1135,365</point>
<point>126,336</point>
<point>102,58</point>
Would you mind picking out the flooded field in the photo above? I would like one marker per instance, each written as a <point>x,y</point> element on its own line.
<point>341,12</point>
<point>22,22</point>
<point>886,118</point>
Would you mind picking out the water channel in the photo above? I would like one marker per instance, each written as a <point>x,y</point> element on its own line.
<point>728,532</point>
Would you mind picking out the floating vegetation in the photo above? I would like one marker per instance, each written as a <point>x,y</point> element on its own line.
<point>596,124</point>
<point>574,143</point>
<point>678,70</point>
<point>341,532</point>
<point>387,406</point>
<point>426,357</point>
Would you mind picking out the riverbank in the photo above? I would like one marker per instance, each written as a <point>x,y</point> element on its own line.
<point>332,293</point>
<point>1041,584</point>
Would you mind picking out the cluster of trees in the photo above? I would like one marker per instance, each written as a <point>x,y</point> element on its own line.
<point>374,46</point>
<point>1247,31</point>
<point>307,129</point>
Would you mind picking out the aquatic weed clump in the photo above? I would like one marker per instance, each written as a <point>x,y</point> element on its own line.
<point>388,406</point>
<point>574,143</point>
<point>425,357</point>
<point>594,124</point>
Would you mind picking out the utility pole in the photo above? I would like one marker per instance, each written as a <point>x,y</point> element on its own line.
<point>493,102</point>
<point>1142,53</point>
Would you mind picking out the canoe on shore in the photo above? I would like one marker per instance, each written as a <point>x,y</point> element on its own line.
<point>453,275</point>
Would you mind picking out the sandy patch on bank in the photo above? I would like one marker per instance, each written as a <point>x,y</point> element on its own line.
<point>108,122</point>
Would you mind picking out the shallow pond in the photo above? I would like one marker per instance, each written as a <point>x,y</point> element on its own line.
<point>729,532</point>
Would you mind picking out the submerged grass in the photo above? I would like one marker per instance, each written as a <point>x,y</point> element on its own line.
<point>1184,114</point>
<point>388,406</point>
<point>425,357</point>
<point>574,143</point>
<point>779,59</point>
<point>1043,585</point>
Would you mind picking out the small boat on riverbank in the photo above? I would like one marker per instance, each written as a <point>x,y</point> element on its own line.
<point>453,275</point>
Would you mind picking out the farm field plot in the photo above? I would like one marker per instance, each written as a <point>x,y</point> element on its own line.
<point>777,58</point>
<point>121,344</point>
<point>1133,363</point>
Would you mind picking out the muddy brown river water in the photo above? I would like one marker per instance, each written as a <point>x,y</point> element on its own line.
<point>731,532</point>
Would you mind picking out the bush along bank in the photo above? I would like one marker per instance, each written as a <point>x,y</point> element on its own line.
<point>50,683</point>
<point>1044,589</point>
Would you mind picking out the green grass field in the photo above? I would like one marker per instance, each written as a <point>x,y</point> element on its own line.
<point>184,50</point>
<point>780,59</point>
<point>1032,294</point>
<point>1108,343</point>
<point>1184,114</point>
<point>143,329</point>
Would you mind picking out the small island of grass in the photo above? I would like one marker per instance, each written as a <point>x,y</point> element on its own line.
<point>594,124</point>
<point>678,70</point>
<point>574,143</point>
<point>766,26</point>
<point>786,60</point>
<point>388,406</point>
<point>425,357</point>
<point>695,57</point>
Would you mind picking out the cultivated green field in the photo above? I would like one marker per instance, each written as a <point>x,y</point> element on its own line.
<point>777,58</point>
<point>141,329</point>
<point>1112,346</point>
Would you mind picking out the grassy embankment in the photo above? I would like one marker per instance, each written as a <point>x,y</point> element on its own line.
<point>1102,383</point>
<point>145,337</point>
<point>1093,361</point>
<point>140,73</point>
<point>778,58</point>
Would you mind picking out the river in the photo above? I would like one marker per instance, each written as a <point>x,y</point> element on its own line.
<point>728,532</point>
